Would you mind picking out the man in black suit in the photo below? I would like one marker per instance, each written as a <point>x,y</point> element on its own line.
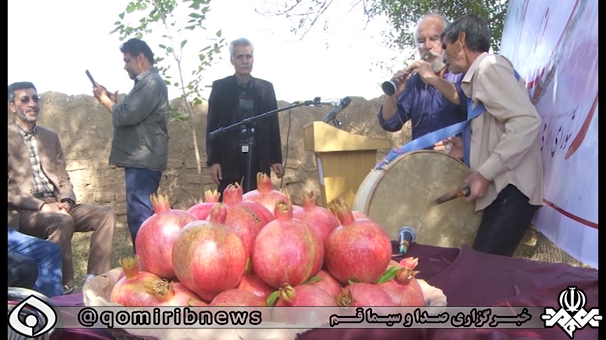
<point>232,99</point>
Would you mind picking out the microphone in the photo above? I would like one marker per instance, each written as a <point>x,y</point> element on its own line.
<point>406,235</point>
<point>332,114</point>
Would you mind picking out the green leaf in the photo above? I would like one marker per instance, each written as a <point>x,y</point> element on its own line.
<point>312,280</point>
<point>183,43</point>
<point>273,298</point>
<point>389,274</point>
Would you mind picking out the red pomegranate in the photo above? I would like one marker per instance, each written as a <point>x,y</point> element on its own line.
<point>363,294</point>
<point>304,295</point>
<point>209,257</point>
<point>173,294</point>
<point>237,298</point>
<point>202,209</point>
<point>287,194</point>
<point>265,194</point>
<point>130,290</point>
<point>358,250</point>
<point>155,238</point>
<point>245,217</point>
<point>252,283</point>
<point>327,283</point>
<point>319,219</point>
<point>404,289</point>
<point>286,250</point>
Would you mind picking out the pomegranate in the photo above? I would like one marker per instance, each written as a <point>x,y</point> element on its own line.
<point>245,217</point>
<point>155,238</point>
<point>403,288</point>
<point>209,257</point>
<point>358,250</point>
<point>286,250</point>
<point>173,294</point>
<point>265,194</point>
<point>327,283</point>
<point>131,290</point>
<point>201,210</point>
<point>252,283</point>
<point>304,295</point>
<point>319,219</point>
<point>237,298</point>
<point>287,194</point>
<point>363,294</point>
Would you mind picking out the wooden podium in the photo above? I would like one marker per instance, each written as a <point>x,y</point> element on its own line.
<point>343,159</point>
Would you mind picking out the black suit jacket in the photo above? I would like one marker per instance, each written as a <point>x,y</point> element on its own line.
<point>223,111</point>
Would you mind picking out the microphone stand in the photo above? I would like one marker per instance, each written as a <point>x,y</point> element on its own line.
<point>247,126</point>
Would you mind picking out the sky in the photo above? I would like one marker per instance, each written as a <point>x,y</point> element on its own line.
<point>53,43</point>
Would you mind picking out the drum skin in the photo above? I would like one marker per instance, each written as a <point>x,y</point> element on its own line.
<point>403,193</point>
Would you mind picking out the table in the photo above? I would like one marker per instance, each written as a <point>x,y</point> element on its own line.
<point>468,279</point>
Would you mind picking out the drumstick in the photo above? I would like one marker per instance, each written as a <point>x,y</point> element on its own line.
<point>464,191</point>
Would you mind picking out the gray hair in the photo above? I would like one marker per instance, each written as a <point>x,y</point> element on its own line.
<point>240,42</point>
<point>432,14</point>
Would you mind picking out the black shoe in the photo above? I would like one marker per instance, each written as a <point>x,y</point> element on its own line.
<point>67,289</point>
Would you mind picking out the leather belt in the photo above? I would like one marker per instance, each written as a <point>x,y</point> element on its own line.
<point>44,194</point>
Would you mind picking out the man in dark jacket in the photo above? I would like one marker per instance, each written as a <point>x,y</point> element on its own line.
<point>140,141</point>
<point>233,99</point>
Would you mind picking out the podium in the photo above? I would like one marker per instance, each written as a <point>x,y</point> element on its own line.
<point>343,159</point>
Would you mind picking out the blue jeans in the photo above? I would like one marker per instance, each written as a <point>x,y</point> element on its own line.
<point>46,255</point>
<point>140,185</point>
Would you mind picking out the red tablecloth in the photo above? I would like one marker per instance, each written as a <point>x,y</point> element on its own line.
<point>468,279</point>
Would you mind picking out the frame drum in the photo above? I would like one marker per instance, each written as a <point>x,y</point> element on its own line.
<point>403,193</point>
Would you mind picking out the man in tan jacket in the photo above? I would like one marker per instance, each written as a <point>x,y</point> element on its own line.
<point>502,148</point>
<point>41,199</point>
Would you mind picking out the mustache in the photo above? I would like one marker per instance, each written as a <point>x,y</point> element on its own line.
<point>429,55</point>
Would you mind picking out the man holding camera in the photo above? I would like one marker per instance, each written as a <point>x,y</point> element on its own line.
<point>426,92</point>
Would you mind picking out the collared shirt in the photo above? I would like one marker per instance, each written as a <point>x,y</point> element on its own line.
<point>41,183</point>
<point>426,106</point>
<point>505,146</point>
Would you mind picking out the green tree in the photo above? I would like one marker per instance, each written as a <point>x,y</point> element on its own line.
<point>402,15</point>
<point>175,23</point>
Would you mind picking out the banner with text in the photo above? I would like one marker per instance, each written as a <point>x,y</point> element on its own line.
<point>554,47</point>
<point>33,317</point>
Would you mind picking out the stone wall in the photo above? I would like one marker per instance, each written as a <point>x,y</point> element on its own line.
<point>85,130</point>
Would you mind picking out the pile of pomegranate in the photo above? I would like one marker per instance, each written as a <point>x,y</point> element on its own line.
<point>239,253</point>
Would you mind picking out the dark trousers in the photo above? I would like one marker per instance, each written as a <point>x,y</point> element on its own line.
<point>140,185</point>
<point>504,223</point>
<point>244,181</point>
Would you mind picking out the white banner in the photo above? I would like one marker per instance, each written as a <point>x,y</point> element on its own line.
<point>554,47</point>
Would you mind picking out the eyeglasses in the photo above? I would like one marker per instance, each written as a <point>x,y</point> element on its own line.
<point>129,59</point>
<point>25,100</point>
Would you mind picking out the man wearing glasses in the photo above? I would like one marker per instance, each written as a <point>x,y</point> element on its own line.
<point>41,199</point>
<point>140,141</point>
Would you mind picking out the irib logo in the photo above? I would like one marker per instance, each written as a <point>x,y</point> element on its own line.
<point>572,314</point>
<point>30,324</point>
